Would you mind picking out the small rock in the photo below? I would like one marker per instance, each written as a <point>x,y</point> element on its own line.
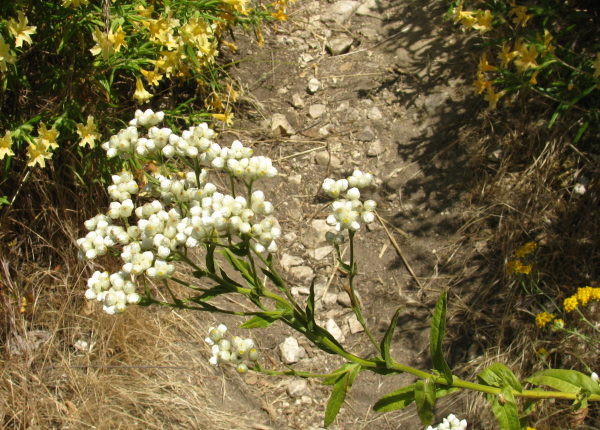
<point>281,126</point>
<point>322,252</point>
<point>290,351</point>
<point>315,111</point>
<point>332,327</point>
<point>288,261</point>
<point>366,135</point>
<point>339,45</point>
<point>305,291</point>
<point>374,113</point>
<point>295,179</point>
<point>330,299</point>
<point>297,101</point>
<point>375,149</point>
<point>304,273</point>
<point>354,325</point>
<point>316,234</point>
<point>369,33</point>
<point>340,11</point>
<point>297,388</point>
<point>322,158</point>
<point>306,58</point>
<point>369,8</point>
<point>344,299</point>
<point>313,86</point>
<point>290,237</point>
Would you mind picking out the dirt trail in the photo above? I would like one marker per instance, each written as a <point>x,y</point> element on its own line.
<point>380,86</point>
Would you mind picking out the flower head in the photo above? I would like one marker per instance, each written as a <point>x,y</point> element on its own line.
<point>38,153</point>
<point>5,55</point>
<point>542,319</point>
<point>88,132</point>
<point>450,423</point>
<point>5,144</point>
<point>141,95</point>
<point>20,30</point>
<point>103,44</point>
<point>75,3</point>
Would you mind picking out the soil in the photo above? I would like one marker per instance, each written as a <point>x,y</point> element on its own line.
<point>393,98</point>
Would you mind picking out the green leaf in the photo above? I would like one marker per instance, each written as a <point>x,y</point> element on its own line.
<point>211,293</point>
<point>387,340</point>
<point>441,392</point>
<point>338,395</point>
<point>498,375</point>
<point>580,132</point>
<point>395,400</point>
<point>265,320</point>
<point>331,380</point>
<point>310,306</point>
<point>425,399</point>
<point>505,409</point>
<point>4,201</point>
<point>438,330</point>
<point>570,381</point>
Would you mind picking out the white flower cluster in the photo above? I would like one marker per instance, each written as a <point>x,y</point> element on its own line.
<point>234,351</point>
<point>348,211</point>
<point>450,423</point>
<point>186,210</point>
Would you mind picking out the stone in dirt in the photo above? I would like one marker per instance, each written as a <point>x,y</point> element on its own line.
<point>340,11</point>
<point>288,261</point>
<point>281,126</point>
<point>303,273</point>
<point>375,149</point>
<point>354,325</point>
<point>344,299</point>
<point>315,235</point>
<point>291,352</point>
<point>322,252</point>
<point>297,388</point>
<point>335,330</point>
<point>366,135</point>
<point>297,101</point>
<point>339,45</point>
<point>374,113</point>
<point>322,158</point>
<point>313,86</point>
<point>315,111</point>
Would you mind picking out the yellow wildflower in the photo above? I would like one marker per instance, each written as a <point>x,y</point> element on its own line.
<point>5,144</point>
<point>521,17</point>
<point>527,57</point>
<point>484,21</point>
<point>558,324</point>
<point>533,78</point>
<point>543,319</point>
<point>232,46</point>
<point>596,64</point>
<point>466,17</point>
<point>37,152</point>
<point>484,66</point>
<point>515,266</point>
<point>570,304</point>
<point>583,295</point>
<point>528,248</point>
<point>20,30</point>
<point>226,117</point>
<point>280,15</point>
<point>5,56</point>
<point>481,84</point>
<point>492,96</point>
<point>232,94</point>
<point>152,76</point>
<point>144,12</point>
<point>261,40</point>
<point>506,56</point>
<point>542,353</point>
<point>239,5</point>
<point>48,135</point>
<point>217,103</point>
<point>75,3</point>
<point>546,39</point>
<point>88,132</point>
<point>117,39</point>
<point>103,44</point>
<point>595,295</point>
<point>141,95</point>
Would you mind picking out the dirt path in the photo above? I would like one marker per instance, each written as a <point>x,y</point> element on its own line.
<point>380,86</point>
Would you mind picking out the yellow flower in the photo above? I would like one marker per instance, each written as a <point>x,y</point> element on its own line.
<point>232,94</point>
<point>48,135</point>
<point>583,295</point>
<point>528,248</point>
<point>521,17</point>
<point>5,56</point>
<point>117,39</point>
<point>542,353</point>
<point>144,12</point>
<point>226,117</point>
<point>141,95</point>
<point>239,5</point>
<point>484,21</point>
<point>261,40</point>
<point>506,56</point>
<point>232,46</point>
<point>75,3</point>
<point>5,144</point>
<point>217,103</point>
<point>20,30</point>
<point>543,319</point>
<point>545,39</point>
<point>481,84</point>
<point>103,44</point>
<point>596,63</point>
<point>484,66</point>
<point>558,324</point>
<point>465,17</point>
<point>570,304</point>
<point>152,76</point>
<point>533,78</point>
<point>527,57</point>
<point>595,294</point>
<point>492,96</point>
<point>37,152</point>
<point>280,15</point>
<point>88,132</point>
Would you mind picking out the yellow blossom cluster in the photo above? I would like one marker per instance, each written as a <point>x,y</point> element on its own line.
<point>21,32</point>
<point>38,150</point>
<point>581,298</point>
<point>526,249</point>
<point>542,319</point>
<point>516,266</point>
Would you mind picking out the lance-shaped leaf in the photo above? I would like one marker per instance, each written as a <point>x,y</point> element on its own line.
<point>570,381</point>
<point>505,409</point>
<point>387,340</point>
<point>498,375</point>
<point>310,306</point>
<point>438,330</point>
<point>395,400</point>
<point>342,384</point>
<point>265,319</point>
<point>425,399</point>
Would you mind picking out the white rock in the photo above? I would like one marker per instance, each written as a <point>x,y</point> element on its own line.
<point>297,101</point>
<point>339,45</point>
<point>304,273</point>
<point>280,125</point>
<point>374,113</point>
<point>288,261</point>
<point>354,325</point>
<point>375,149</point>
<point>297,388</point>
<point>366,135</point>
<point>332,327</point>
<point>330,299</point>
<point>295,179</point>
<point>315,111</point>
<point>315,235</point>
<point>322,158</point>
<point>313,86</point>
<point>290,351</point>
<point>322,252</point>
<point>340,11</point>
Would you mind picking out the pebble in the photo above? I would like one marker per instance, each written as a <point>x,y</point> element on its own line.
<point>330,299</point>
<point>315,234</point>
<point>366,135</point>
<point>375,149</point>
<point>374,113</point>
<point>304,273</point>
<point>335,330</point>
<point>322,252</point>
<point>297,101</point>
<point>297,388</point>
<point>280,125</point>
<point>315,111</point>
<point>313,86</point>
<point>295,179</point>
<point>339,45</point>
<point>322,158</point>
<point>291,352</point>
<point>354,325</point>
<point>344,299</point>
<point>288,261</point>
<point>340,11</point>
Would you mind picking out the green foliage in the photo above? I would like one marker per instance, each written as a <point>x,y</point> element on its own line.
<point>438,330</point>
<point>342,384</point>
